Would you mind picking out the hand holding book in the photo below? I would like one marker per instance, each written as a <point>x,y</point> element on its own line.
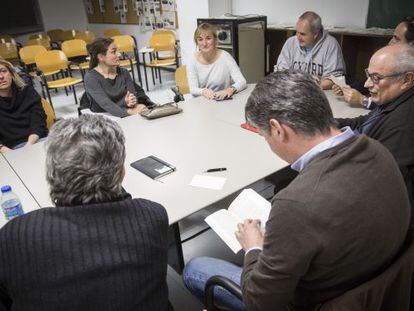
<point>250,234</point>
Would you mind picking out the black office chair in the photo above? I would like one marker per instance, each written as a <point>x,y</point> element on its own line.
<point>225,283</point>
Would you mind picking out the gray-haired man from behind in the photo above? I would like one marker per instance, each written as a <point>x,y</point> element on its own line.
<point>334,227</point>
<point>312,50</point>
<point>98,249</point>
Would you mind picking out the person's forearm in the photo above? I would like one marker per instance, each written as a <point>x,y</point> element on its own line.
<point>326,84</point>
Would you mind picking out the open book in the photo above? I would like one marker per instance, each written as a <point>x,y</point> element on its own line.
<point>248,205</point>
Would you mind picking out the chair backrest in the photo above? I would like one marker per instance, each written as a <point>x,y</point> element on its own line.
<point>40,36</point>
<point>124,43</point>
<point>6,38</point>
<point>28,53</point>
<point>51,61</point>
<point>164,32</point>
<point>87,36</point>
<point>75,47</point>
<point>50,113</point>
<point>162,42</point>
<point>43,41</point>
<point>111,32</point>
<point>8,51</point>
<point>388,290</point>
<point>68,35</point>
<point>181,79</point>
<point>55,35</point>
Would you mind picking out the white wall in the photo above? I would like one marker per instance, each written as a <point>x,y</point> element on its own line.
<point>134,30</point>
<point>188,12</point>
<point>351,13</point>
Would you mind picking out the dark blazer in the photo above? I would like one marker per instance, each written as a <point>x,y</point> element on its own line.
<point>395,130</point>
<point>339,223</point>
<point>106,256</point>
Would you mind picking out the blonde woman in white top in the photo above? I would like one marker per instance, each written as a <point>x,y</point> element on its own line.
<point>213,73</point>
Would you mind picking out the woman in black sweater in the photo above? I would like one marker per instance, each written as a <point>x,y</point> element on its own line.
<point>22,118</point>
<point>108,87</point>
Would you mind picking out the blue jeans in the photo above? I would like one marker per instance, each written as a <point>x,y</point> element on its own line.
<point>200,269</point>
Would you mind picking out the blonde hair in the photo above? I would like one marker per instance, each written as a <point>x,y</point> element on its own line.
<point>205,28</point>
<point>18,81</point>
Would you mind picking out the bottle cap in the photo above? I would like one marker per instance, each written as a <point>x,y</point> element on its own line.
<point>6,188</point>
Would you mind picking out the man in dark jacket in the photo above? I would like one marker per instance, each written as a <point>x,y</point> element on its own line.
<point>341,221</point>
<point>390,80</point>
<point>98,249</point>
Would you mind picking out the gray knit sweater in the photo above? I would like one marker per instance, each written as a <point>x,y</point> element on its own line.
<point>104,256</point>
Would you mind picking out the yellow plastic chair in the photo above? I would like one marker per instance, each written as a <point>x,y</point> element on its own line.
<point>127,46</point>
<point>55,35</point>
<point>56,60</point>
<point>28,53</point>
<point>8,51</point>
<point>111,32</point>
<point>76,51</point>
<point>167,32</point>
<point>39,41</point>
<point>68,35</point>
<point>40,36</point>
<point>164,43</point>
<point>6,38</point>
<point>181,79</point>
<point>50,113</point>
<point>87,36</point>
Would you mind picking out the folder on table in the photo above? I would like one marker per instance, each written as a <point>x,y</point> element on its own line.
<point>153,167</point>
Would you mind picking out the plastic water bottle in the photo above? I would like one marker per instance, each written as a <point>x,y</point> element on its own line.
<point>10,203</point>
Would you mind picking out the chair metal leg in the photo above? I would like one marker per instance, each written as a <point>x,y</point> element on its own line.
<point>137,66</point>
<point>159,75</point>
<point>145,70</point>
<point>74,94</point>
<point>178,246</point>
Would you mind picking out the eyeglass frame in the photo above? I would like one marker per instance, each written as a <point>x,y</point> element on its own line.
<point>378,77</point>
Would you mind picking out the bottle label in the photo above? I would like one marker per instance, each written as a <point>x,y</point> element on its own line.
<point>13,211</point>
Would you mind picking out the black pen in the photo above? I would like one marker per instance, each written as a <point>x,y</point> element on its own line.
<point>211,170</point>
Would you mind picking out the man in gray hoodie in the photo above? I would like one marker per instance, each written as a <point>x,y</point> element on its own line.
<point>313,50</point>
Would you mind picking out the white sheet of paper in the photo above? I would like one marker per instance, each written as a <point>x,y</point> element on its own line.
<point>209,182</point>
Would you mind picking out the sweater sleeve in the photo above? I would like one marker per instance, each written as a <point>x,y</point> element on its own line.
<point>236,75</point>
<point>134,88</point>
<point>270,277</point>
<point>94,89</point>
<point>193,79</point>
<point>334,60</point>
<point>37,116</point>
<point>283,61</point>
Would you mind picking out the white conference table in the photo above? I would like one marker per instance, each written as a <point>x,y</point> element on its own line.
<point>9,177</point>
<point>206,135</point>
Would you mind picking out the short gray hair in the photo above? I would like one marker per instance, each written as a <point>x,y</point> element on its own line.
<point>292,98</point>
<point>314,20</point>
<point>404,58</point>
<point>84,160</point>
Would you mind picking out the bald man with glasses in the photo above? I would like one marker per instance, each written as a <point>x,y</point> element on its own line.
<point>390,80</point>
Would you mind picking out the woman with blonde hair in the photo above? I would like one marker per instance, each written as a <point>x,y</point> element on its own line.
<point>22,118</point>
<point>213,73</point>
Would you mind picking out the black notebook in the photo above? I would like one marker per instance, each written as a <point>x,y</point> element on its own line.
<point>153,167</point>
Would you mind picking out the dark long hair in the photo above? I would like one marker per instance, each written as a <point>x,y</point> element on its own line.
<point>99,46</point>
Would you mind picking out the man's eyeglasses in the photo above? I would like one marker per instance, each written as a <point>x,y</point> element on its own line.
<point>376,77</point>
